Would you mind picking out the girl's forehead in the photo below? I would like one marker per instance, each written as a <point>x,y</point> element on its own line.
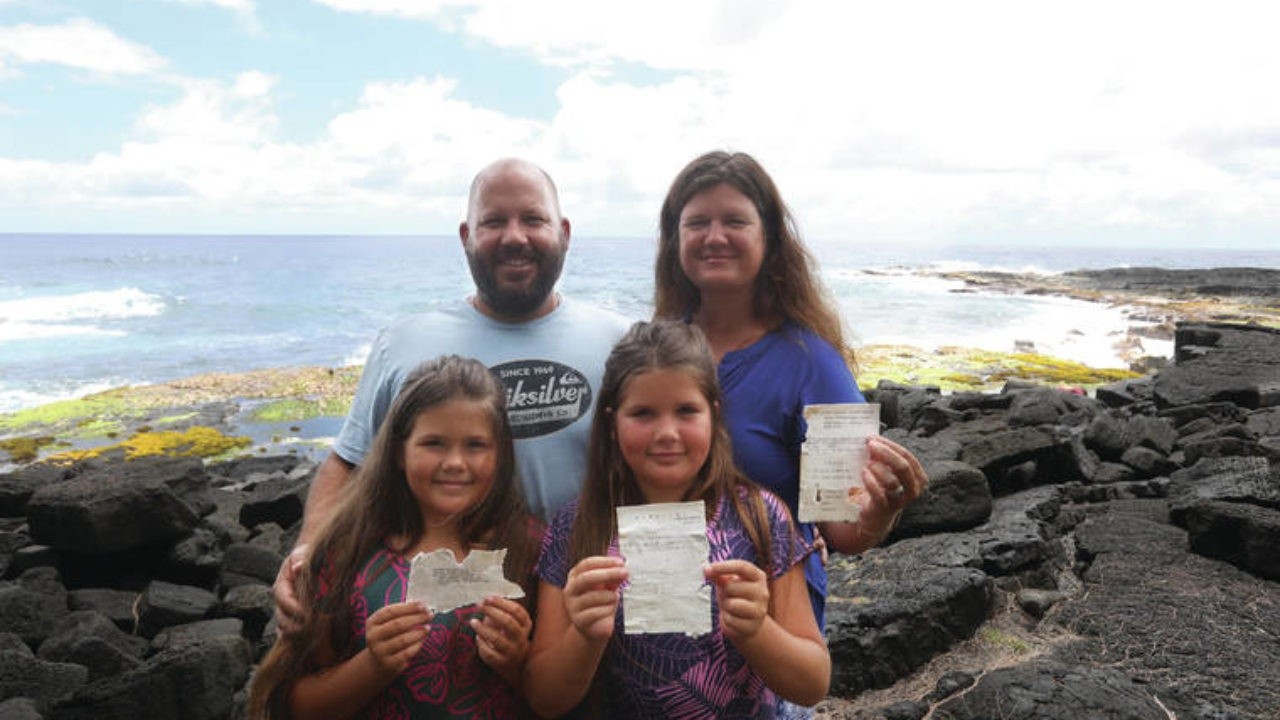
<point>455,407</point>
<point>652,379</point>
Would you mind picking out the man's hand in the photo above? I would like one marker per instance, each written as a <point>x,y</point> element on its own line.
<point>289,610</point>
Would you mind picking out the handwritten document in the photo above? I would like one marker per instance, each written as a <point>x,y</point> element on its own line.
<point>832,458</point>
<point>439,581</point>
<point>665,546</point>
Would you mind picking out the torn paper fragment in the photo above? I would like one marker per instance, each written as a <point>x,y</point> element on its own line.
<point>437,580</point>
<point>665,546</point>
<point>832,458</point>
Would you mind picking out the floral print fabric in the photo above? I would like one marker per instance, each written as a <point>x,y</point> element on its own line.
<point>447,679</point>
<point>670,674</point>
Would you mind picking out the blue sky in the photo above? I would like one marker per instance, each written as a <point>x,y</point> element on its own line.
<point>1035,122</point>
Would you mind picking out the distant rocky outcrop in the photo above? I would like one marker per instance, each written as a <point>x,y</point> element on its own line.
<point>1155,299</point>
<point>1150,282</point>
<point>1183,283</point>
<point>1112,556</point>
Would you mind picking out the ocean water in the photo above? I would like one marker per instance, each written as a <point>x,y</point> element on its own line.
<point>81,313</point>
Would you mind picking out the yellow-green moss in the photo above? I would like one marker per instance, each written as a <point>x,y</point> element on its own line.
<point>291,409</point>
<point>24,449</point>
<point>70,414</point>
<point>956,368</point>
<point>193,442</point>
<point>93,416</point>
<point>168,420</point>
<point>1005,640</point>
<point>1031,366</point>
<point>964,380</point>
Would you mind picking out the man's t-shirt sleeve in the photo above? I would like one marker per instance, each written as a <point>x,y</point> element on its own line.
<point>369,407</point>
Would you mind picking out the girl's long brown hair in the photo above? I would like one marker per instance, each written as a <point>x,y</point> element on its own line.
<point>649,346</point>
<point>788,286</point>
<point>376,504</point>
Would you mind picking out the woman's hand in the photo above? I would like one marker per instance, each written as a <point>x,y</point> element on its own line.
<point>893,476</point>
<point>394,634</point>
<point>892,480</point>
<point>502,637</point>
<point>591,595</point>
<point>820,545</point>
<point>742,591</point>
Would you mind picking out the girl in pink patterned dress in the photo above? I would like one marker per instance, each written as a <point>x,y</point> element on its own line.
<point>441,475</point>
<point>658,436</point>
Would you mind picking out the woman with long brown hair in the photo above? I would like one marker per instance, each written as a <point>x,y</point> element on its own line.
<point>731,262</point>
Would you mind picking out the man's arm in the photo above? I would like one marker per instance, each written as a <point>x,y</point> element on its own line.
<point>331,477</point>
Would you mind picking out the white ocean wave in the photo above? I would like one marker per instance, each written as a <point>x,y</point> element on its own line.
<point>11,331</point>
<point>1089,333</point>
<point>13,399</point>
<point>931,268</point>
<point>849,281</point>
<point>75,314</point>
<point>358,357</point>
<point>947,266</point>
<point>121,303</point>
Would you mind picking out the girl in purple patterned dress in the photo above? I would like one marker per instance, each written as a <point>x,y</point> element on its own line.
<point>658,436</point>
<point>441,475</point>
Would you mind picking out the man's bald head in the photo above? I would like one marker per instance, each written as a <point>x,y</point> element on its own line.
<point>516,166</point>
<point>515,239</point>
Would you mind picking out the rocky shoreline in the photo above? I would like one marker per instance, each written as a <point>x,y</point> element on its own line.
<point>1154,298</point>
<point>297,410</point>
<point>1114,555</point>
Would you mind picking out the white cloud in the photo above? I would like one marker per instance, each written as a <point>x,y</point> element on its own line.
<point>917,119</point>
<point>909,117</point>
<point>416,9</point>
<point>78,43</point>
<point>214,114</point>
<point>238,5</point>
<point>665,34</point>
<point>245,10</point>
<point>913,120</point>
<point>407,147</point>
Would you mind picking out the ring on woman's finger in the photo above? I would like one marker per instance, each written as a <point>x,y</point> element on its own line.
<point>896,491</point>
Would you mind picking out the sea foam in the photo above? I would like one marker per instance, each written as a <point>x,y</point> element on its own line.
<point>13,399</point>
<point>75,313</point>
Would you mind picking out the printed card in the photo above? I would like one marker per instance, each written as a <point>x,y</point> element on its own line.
<point>832,458</point>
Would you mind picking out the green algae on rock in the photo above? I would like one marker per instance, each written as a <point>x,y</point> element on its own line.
<point>210,400</point>
<point>169,403</point>
<point>25,449</point>
<point>180,416</point>
<point>198,441</point>
<point>955,368</point>
<point>291,409</point>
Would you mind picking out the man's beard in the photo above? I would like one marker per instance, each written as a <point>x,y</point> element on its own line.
<point>515,301</point>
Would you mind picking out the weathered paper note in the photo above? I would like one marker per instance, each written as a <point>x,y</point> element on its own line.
<point>832,458</point>
<point>443,584</point>
<point>665,546</point>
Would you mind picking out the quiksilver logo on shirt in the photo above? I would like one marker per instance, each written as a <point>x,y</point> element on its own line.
<point>542,396</point>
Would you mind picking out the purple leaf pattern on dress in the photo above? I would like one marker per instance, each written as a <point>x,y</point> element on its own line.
<point>447,678</point>
<point>672,675</point>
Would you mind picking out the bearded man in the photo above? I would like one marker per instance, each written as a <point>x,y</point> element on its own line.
<point>548,351</point>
